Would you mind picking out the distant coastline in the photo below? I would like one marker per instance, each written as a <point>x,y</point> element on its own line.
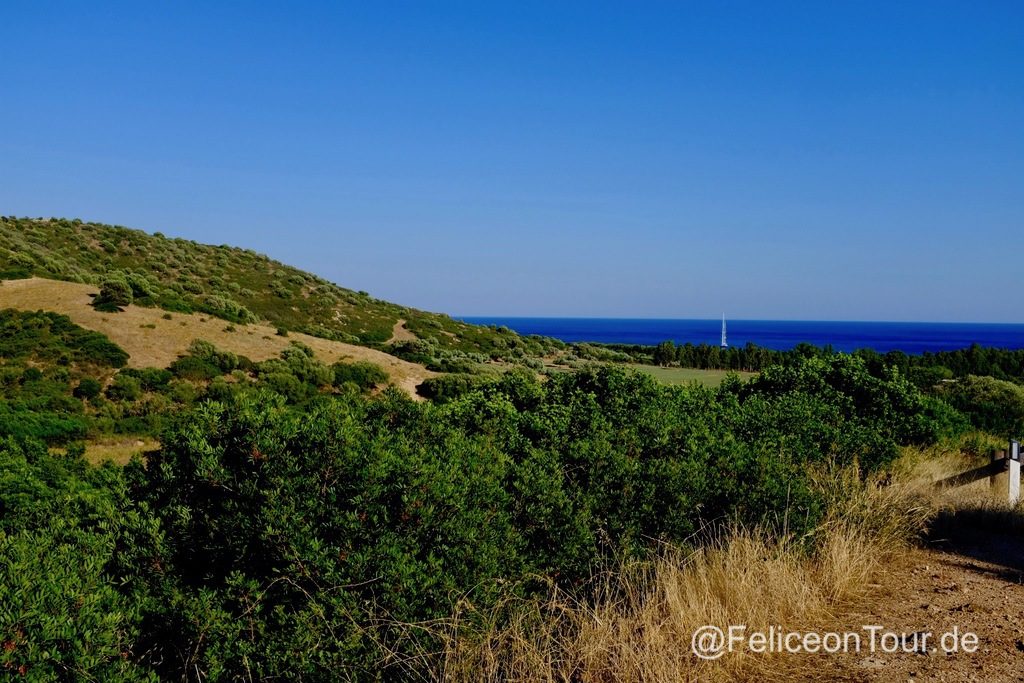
<point>781,335</point>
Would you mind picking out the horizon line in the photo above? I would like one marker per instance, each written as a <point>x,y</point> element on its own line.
<point>466,318</point>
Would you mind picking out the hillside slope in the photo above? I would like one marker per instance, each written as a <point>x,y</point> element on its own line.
<point>233,284</point>
<point>154,341</point>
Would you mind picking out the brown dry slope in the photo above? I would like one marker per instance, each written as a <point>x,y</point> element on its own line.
<point>153,341</point>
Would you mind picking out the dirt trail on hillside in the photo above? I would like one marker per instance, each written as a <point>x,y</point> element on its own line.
<point>151,340</point>
<point>400,333</point>
<point>970,581</point>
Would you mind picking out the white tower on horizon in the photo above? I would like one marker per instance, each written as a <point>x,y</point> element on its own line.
<point>725,344</point>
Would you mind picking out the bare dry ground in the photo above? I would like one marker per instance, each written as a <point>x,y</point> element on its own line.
<point>119,449</point>
<point>154,341</point>
<point>972,588</point>
<point>400,333</point>
<point>968,577</point>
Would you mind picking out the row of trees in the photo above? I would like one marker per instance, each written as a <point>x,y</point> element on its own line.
<point>925,369</point>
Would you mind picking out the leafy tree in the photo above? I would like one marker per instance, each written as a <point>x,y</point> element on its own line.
<point>115,292</point>
<point>665,353</point>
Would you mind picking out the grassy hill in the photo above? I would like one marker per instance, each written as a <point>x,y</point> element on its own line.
<point>238,285</point>
<point>154,339</point>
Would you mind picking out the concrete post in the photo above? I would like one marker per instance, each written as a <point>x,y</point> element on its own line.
<point>1013,470</point>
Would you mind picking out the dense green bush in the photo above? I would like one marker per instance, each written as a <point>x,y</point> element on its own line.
<point>61,615</point>
<point>114,293</point>
<point>225,308</point>
<point>124,388</point>
<point>140,285</point>
<point>150,379</point>
<point>991,404</point>
<point>53,427</point>
<point>284,528</point>
<point>834,407</point>
<point>54,338</point>
<point>509,479</point>
<point>363,374</point>
<point>88,388</point>
<point>447,387</point>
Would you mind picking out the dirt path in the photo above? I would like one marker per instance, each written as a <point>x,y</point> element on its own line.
<point>971,583</point>
<point>400,333</point>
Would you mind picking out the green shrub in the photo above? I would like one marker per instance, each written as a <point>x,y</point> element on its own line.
<point>60,611</point>
<point>115,292</point>
<point>193,368</point>
<point>447,387</point>
<point>363,374</point>
<point>140,286</point>
<point>124,388</point>
<point>226,309</point>
<point>31,374</point>
<point>52,337</point>
<point>993,405</point>
<point>88,388</point>
<point>150,379</point>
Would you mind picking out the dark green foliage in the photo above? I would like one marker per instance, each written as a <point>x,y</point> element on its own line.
<point>925,370</point>
<point>835,406</point>
<point>31,375</point>
<point>284,526</point>
<point>60,612</point>
<point>994,405</point>
<point>362,374</point>
<point>225,308</point>
<point>88,388</point>
<point>390,510</point>
<point>22,420</point>
<point>665,353</point>
<point>150,379</point>
<point>194,368</point>
<point>124,388</point>
<point>48,364</point>
<point>114,293</point>
<point>447,387</point>
<point>139,285</point>
<point>204,362</point>
<point>297,375</point>
<point>54,338</point>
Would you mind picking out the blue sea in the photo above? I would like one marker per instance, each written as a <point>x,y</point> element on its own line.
<point>773,334</point>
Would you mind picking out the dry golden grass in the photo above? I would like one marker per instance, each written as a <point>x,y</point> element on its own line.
<point>640,624</point>
<point>116,449</point>
<point>637,621</point>
<point>153,341</point>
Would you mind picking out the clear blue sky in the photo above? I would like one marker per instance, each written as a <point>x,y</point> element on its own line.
<point>810,160</point>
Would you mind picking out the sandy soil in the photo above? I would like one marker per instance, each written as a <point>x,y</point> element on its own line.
<point>400,333</point>
<point>971,583</point>
<point>153,341</point>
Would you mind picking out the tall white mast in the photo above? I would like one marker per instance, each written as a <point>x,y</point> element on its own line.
<point>725,344</point>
